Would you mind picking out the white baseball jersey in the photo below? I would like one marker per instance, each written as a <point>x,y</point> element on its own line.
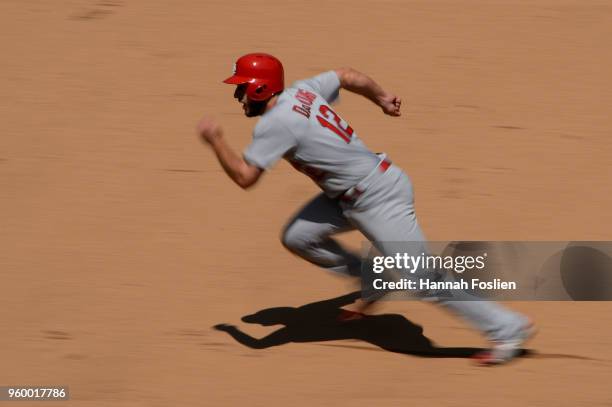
<point>305,130</point>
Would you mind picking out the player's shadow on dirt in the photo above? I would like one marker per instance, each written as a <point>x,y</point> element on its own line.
<point>319,321</point>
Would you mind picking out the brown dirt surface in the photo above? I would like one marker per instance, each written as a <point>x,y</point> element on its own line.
<point>123,243</point>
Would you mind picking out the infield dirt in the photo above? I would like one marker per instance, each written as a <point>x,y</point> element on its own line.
<point>122,242</point>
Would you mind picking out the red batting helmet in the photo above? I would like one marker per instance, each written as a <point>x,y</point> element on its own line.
<point>262,72</point>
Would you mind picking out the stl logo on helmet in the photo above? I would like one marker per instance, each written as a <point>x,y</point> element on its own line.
<point>306,99</point>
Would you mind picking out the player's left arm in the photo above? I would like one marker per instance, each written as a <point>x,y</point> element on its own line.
<point>241,172</point>
<point>361,84</point>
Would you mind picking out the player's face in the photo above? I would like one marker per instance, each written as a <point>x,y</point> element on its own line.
<point>240,96</point>
<point>251,109</point>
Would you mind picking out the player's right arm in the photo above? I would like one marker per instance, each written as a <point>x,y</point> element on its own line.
<point>241,172</point>
<point>361,84</point>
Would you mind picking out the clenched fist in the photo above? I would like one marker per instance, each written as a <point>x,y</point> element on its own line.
<point>390,104</point>
<point>209,130</point>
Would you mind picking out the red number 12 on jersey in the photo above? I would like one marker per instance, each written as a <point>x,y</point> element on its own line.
<point>345,133</point>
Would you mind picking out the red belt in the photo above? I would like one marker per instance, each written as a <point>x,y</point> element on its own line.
<point>354,193</point>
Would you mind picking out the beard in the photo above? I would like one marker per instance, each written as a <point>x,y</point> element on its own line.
<point>254,109</point>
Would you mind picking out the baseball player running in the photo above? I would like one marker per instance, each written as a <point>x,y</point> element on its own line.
<point>361,190</point>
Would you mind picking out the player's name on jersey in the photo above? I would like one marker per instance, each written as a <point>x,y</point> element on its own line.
<point>427,284</point>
